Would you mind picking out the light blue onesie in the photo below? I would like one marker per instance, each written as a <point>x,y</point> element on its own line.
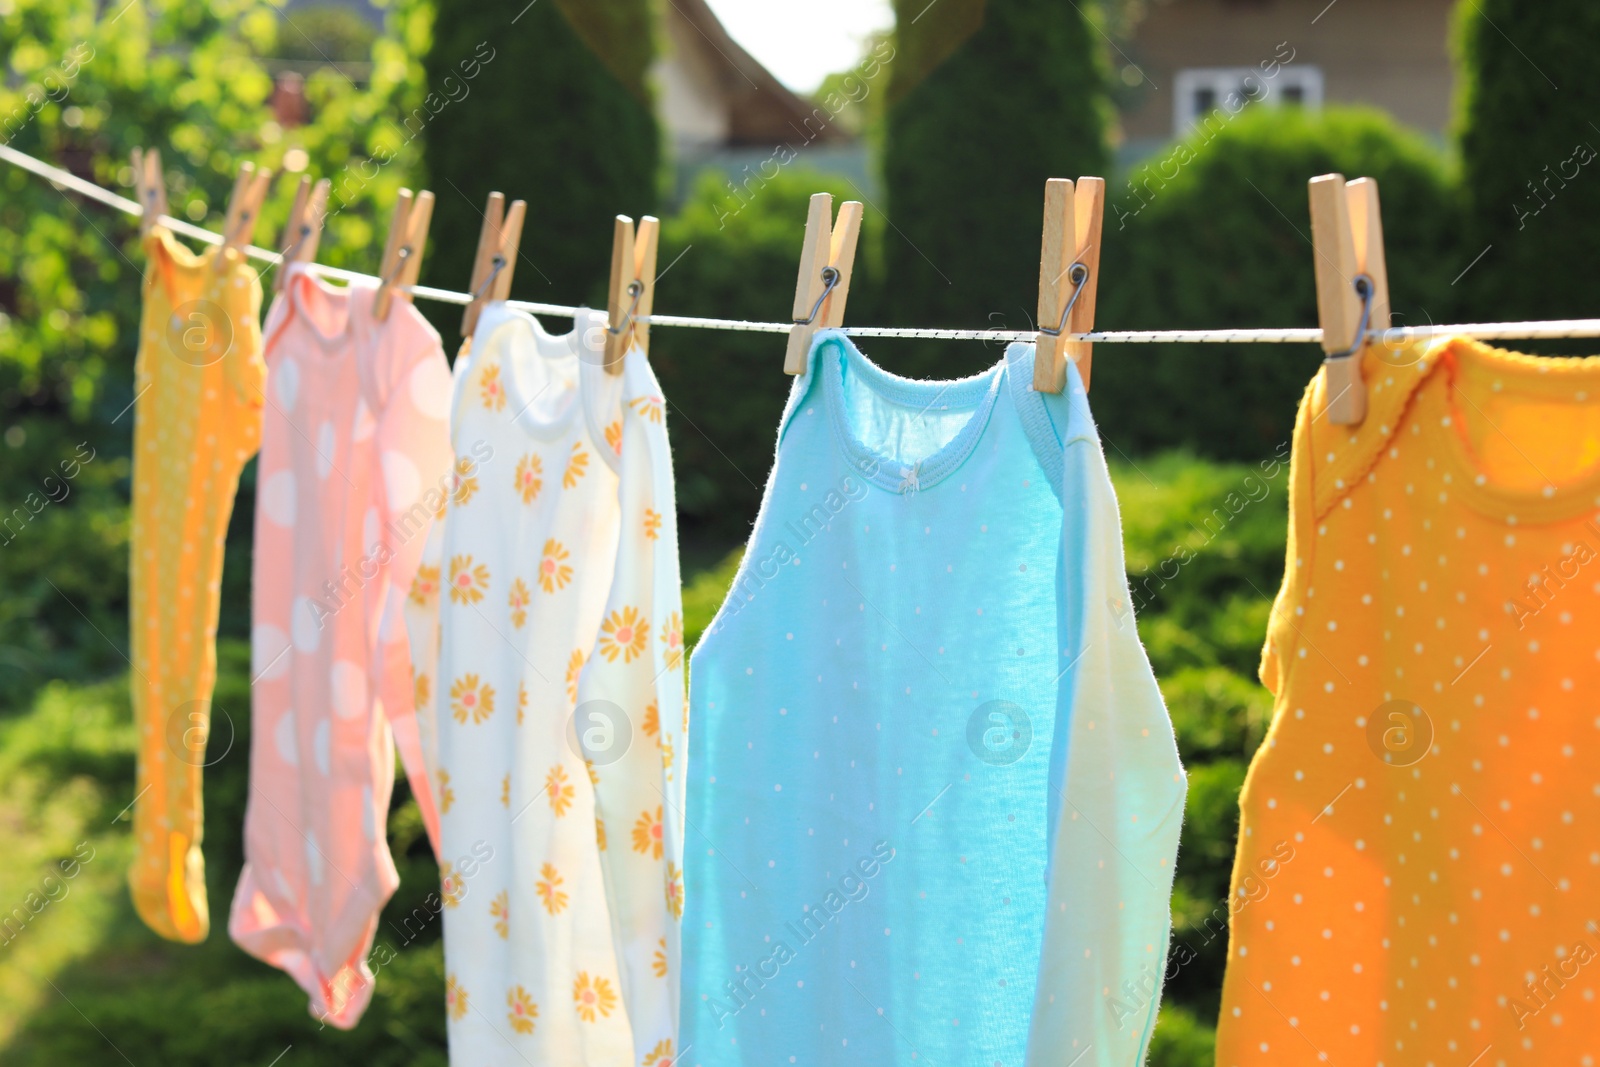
<point>934,797</point>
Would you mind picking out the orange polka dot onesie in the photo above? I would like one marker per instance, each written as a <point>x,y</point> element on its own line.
<point>197,420</point>
<point>1418,874</point>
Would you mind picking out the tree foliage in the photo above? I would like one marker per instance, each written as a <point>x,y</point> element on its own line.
<point>81,92</point>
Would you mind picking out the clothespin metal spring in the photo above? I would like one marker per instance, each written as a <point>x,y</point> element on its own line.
<point>830,280</point>
<point>636,291</point>
<point>1364,289</point>
<point>1078,275</point>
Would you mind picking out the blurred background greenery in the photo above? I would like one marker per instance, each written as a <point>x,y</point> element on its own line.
<point>947,127</point>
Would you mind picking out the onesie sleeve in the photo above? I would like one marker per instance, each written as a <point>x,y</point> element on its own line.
<point>413,440</point>
<point>1117,794</point>
<point>635,677</point>
<point>1278,649</point>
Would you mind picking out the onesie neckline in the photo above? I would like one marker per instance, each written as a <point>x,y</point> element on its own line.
<point>553,353</point>
<point>1440,414</point>
<point>837,354</point>
<point>303,287</point>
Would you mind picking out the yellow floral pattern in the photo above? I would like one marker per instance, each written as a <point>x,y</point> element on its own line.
<point>500,909</point>
<point>560,790</point>
<point>574,668</point>
<point>492,389</point>
<point>455,999</point>
<point>551,895</point>
<point>674,891</point>
<point>425,586</point>
<point>649,833</point>
<point>650,408</point>
<point>624,633</point>
<point>672,638</point>
<point>530,477</point>
<point>577,466</point>
<point>452,889</point>
<point>594,998</point>
<point>468,580</point>
<point>465,482</point>
<point>519,600</point>
<point>421,690</point>
<point>638,639</point>
<point>472,699</point>
<point>522,1010</point>
<point>554,571</point>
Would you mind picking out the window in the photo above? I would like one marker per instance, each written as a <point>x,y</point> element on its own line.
<point>1201,91</point>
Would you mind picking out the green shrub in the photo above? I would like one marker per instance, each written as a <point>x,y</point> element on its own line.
<point>1215,712</point>
<point>1181,1040</point>
<point>988,99</point>
<point>534,112</point>
<point>1530,158</point>
<point>1217,234</point>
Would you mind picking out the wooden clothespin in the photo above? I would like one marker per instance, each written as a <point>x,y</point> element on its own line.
<point>1352,285</point>
<point>150,186</point>
<point>303,232</point>
<point>244,206</point>
<point>1069,279</point>
<point>402,255</point>
<point>825,264</point>
<point>633,288</point>
<point>496,259</point>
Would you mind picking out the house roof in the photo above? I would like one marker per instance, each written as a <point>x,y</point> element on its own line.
<point>760,109</point>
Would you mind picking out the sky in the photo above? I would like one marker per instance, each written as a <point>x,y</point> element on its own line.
<point>803,41</point>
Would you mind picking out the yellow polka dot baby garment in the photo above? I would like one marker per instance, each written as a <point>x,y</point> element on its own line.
<point>1419,854</point>
<point>197,420</point>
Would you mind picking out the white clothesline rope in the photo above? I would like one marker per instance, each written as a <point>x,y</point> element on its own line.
<point>1483,331</point>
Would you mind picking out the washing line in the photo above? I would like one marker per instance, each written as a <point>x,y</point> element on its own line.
<point>1483,331</point>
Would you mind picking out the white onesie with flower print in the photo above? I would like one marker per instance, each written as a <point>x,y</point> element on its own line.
<point>553,579</point>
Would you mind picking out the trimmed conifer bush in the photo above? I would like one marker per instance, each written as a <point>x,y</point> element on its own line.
<point>1530,158</point>
<point>988,99</point>
<point>535,112</point>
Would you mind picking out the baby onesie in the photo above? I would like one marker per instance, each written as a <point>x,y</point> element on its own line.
<point>355,460</point>
<point>935,795</point>
<point>1417,867</point>
<point>197,420</point>
<point>632,722</point>
<point>548,641</point>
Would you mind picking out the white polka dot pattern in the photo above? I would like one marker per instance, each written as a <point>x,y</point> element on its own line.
<point>1417,860</point>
